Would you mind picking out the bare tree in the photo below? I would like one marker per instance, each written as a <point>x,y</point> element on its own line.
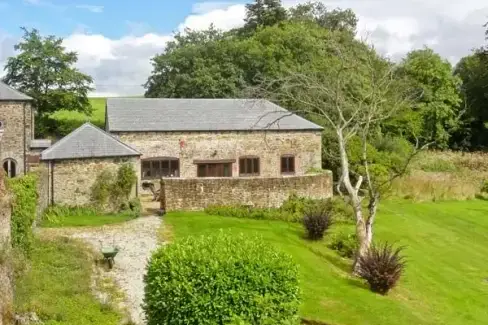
<point>351,92</point>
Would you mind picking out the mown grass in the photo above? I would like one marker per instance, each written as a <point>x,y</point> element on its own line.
<point>57,286</point>
<point>445,280</point>
<point>57,217</point>
<point>69,120</point>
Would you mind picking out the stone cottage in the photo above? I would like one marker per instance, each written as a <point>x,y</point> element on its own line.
<point>190,138</point>
<point>75,161</point>
<point>18,148</point>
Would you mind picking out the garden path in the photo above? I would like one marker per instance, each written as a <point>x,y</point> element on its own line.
<point>136,240</point>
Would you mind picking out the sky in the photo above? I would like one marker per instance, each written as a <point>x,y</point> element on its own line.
<point>115,40</point>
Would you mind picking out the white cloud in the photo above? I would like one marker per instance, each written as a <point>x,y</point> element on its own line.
<point>92,8</point>
<point>121,66</point>
<point>204,7</point>
<point>222,18</point>
<point>118,66</point>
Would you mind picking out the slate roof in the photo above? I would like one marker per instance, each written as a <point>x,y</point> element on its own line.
<point>8,93</point>
<point>171,114</point>
<point>88,141</point>
<point>40,143</point>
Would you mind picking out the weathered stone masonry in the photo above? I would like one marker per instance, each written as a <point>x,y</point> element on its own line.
<point>72,180</point>
<point>198,193</point>
<point>17,120</point>
<point>6,283</point>
<point>267,145</point>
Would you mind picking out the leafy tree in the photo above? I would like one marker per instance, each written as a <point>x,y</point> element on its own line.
<point>473,71</point>
<point>264,13</point>
<point>337,19</point>
<point>351,90</point>
<point>45,71</point>
<point>197,65</point>
<point>438,102</point>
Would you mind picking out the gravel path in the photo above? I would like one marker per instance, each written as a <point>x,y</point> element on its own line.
<point>136,239</point>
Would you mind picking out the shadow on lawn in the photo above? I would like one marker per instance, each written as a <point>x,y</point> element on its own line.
<point>312,322</point>
<point>337,261</point>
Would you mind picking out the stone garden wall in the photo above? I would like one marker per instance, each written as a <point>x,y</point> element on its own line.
<point>73,179</point>
<point>6,285</point>
<point>197,193</point>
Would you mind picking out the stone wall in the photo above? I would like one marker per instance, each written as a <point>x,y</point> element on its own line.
<point>72,180</point>
<point>198,193</point>
<point>17,120</point>
<point>6,285</point>
<point>268,146</point>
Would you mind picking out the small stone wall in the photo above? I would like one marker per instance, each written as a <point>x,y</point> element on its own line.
<point>71,180</point>
<point>198,193</point>
<point>6,285</point>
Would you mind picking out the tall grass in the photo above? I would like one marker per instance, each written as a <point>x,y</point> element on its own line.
<point>443,175</point>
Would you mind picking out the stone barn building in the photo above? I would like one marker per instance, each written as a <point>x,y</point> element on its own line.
<point>215,137</point>
<point>75,161</point>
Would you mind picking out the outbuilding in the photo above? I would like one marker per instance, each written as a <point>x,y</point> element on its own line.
<point>75,161</point>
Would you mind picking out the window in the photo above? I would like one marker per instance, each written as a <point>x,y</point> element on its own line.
<point>10,167</point>
<point>153,168</point>
<point>223,169</point>
<point>248,166</point>
<point>288,164</point>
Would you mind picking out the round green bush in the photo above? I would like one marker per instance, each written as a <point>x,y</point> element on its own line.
<point>218,279</point>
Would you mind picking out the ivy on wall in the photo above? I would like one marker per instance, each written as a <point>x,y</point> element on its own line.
<point>112,190</point>
<point>24,204</point>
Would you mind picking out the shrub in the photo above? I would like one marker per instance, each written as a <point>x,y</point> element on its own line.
<point>317,220</point>
<point>124,182</point>
<point>382,267</point>
<point>292,210</point>
<point>116,187</point>
<point>213,280</point>
<point>345,244</point>
<point>101,189</point>
<point>135,207</point>
<point>24,208</point>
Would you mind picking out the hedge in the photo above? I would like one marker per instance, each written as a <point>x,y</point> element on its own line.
<point>218,279</point>
<point>24,204</point>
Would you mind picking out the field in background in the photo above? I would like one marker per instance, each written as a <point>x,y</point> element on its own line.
<point>444,175</point>
<point>445,280</point>
<point>68,121</point>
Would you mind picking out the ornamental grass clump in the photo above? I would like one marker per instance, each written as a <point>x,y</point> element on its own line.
<point>382,267</point>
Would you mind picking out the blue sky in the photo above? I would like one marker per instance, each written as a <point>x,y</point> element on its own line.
<point>108,17</point>
<point>115,40</point>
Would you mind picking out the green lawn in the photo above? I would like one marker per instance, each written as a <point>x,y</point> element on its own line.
<point>69,120</point>
<point>83,218</point>
<point>446,281</point>
<point>57,286</point>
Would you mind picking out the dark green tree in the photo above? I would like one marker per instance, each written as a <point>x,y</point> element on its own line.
<point>437,107</point>
<point>337,19</point>
<point>473,71</point>
<point>264,13</point>
<point>45,71</point>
